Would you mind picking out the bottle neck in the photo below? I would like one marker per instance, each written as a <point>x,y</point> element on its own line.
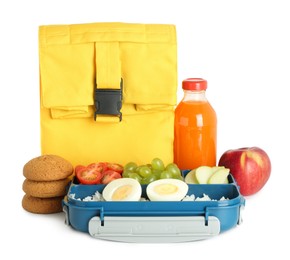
<point>193,95</point>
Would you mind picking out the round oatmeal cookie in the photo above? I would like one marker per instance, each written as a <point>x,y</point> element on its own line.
<point>47,168</point>
<point>46,189</point>
<point>42,205</point>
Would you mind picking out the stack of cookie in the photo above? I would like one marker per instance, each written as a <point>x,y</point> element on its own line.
<point>45,186</point>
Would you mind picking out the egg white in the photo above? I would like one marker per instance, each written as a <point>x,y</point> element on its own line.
<point>167,190</point>
<point>123,189</point>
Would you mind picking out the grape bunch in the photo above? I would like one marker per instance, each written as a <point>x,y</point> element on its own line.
<point>153,171</point>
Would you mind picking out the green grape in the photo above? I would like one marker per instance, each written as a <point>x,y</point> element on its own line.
<point>157,173</point>
<point>166,175</point>
<point>172,167</point>
<point>157,164</point>
<point>178,177</point>
<point>126,173</point>
<point>149,165</point>
<point>144,171</point>
<point>131,167</point>
<point>138,168</point>
<point>135,176</point>
<point>149,178</point>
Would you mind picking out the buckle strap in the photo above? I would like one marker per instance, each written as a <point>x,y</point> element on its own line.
<point>108,102</point>
<point>108,65</point>
<point>108,92</point>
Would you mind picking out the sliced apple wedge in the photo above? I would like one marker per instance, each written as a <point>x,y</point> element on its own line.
<point>216,168</point>
<point>219,177</point>
<point>203,173</point>
<point>190,177</point>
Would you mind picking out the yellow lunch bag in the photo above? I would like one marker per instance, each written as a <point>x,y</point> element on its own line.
<point>108,91</point>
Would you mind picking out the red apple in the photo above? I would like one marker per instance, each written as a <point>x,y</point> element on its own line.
<point>250,166</point>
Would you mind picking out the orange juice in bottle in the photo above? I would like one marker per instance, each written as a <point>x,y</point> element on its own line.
<point>195,127</point>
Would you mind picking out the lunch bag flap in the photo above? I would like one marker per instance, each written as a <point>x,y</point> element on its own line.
<point>137,59</point>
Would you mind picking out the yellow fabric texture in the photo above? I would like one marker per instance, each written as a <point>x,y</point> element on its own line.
<point>77,59</point>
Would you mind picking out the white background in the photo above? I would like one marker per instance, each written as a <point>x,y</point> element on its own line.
<point>241,47</point>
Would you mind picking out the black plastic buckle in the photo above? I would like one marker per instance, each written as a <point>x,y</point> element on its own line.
<point>109,101</point>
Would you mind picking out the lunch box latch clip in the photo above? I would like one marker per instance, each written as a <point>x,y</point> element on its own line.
<point>108,102</point>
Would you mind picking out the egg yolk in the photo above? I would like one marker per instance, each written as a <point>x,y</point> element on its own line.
<point>164,189</point>
<point>122,192</point>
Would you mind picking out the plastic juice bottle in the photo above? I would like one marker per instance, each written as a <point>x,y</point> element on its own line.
<point>195,127</point>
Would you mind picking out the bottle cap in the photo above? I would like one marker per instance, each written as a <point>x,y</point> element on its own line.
<point>194,84</point>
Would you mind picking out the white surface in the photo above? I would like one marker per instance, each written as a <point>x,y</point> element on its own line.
<point>240,47</point>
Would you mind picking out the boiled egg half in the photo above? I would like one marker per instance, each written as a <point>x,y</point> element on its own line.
<point>122,189</point>
<point>167,190</point>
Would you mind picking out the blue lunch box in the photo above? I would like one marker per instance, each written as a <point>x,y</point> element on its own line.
<point>155,221</point>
